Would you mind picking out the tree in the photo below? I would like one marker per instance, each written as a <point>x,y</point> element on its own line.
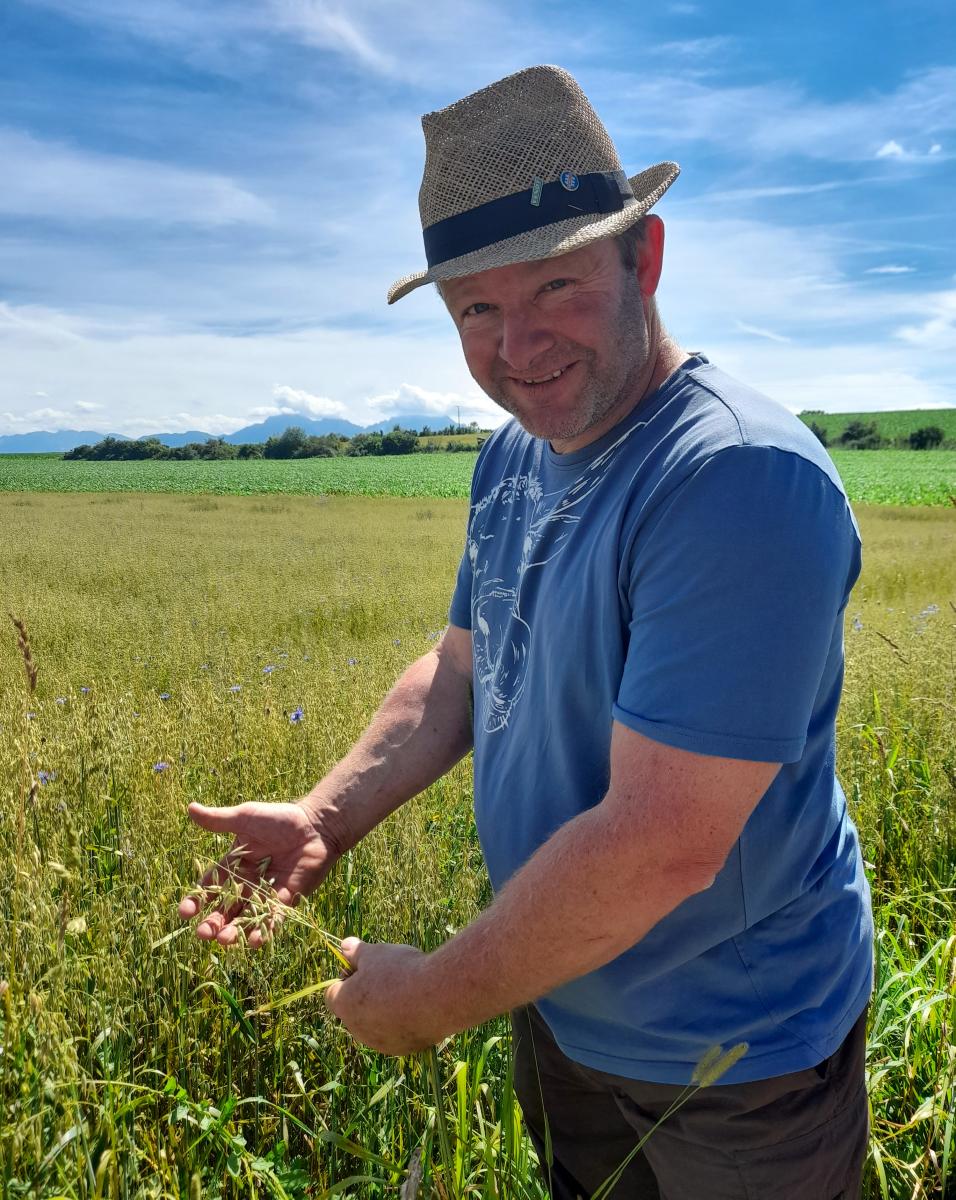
<point>400,441</point>
<point>819,432</point>
<point>365,443</point>
<point>926,438</point>
<point>861,435</point>
<point>289,444</point>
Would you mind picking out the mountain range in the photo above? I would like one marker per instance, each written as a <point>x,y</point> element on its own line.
<point>61,440</point>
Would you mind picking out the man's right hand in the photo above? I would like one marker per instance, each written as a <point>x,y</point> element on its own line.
<point>274,844</point>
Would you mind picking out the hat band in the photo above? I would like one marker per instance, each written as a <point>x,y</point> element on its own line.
<point>541,205</point>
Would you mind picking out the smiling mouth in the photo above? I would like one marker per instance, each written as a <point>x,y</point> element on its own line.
<point>544,381</point>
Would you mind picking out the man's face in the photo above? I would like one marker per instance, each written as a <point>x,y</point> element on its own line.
<point>580,315</point>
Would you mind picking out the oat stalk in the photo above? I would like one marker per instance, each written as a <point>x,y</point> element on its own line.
<point>23,644</point>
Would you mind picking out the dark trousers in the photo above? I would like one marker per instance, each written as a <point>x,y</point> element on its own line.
<point>801,1136</point>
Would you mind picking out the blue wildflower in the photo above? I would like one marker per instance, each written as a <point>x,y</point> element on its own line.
<point>352,662</point>
<point>236,687</point>
<point>857,624</point>
<point>161,766</point>
<point>268,670</point>
<point>929,610</point>
<point>296,716</point>
<point>397,642</point>
<point>84,690</point>
<point>164,695</point>
<point>61,699</point>
<point>46,777</point>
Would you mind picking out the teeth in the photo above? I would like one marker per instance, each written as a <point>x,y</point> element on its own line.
<point>545,378</point>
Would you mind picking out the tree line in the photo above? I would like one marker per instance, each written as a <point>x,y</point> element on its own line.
<point>293,442</point>
<point>865,435</point>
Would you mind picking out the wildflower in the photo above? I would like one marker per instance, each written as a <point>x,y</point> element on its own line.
<point>268,670</point>
<point>857,624</point>
<point>236,687</point>
<point>46,777</point>
<point>929,610</point>
<point>397,642</point>
<point>135,714</point>
<point>352,662</point>
<point>84,690</point>
<point>296,716</point>
<point>30,716</point>
<point>61,699</point>
<point>164,695</point>
<point>284,654</point>
<point>204,666</point>
<point>161,766</point>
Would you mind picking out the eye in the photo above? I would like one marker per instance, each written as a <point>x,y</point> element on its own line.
<point>476,309</point>
<point>554,284</point>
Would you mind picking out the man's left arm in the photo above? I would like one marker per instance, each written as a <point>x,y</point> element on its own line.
<point>596,887</point>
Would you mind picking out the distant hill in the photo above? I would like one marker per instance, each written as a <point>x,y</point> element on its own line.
<point>891,425</point>
<point>44,442</point>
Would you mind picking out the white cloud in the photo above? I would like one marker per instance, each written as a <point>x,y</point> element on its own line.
<point>318,23</point>
<point>772,121</point>
<point>889,269</point>
<point>938,331</point>
<point>294,400</point>
<point>411,399</point>
<point>758,332</point>
<point>842,377</point>
<point>52,179</point>
<point>936,148</point>
<point>87,406</point>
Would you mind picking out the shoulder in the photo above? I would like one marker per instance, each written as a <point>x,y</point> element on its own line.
<point>730,414</point>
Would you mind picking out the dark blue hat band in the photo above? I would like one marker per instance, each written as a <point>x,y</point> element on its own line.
<point>543,204</point>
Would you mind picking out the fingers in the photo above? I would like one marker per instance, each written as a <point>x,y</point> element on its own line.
<point>216,876</point>
<point>216,820</point>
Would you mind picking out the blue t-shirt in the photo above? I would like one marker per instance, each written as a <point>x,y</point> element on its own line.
<point>685,575</point>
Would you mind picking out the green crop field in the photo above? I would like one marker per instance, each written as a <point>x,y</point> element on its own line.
<point>899,423</point>
<point>871,476</point>
<point>226,648</point>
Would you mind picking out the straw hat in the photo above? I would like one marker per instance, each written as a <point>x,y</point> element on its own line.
<point>522,170</point>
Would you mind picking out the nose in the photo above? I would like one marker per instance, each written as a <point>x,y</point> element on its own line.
<point>523,339</point>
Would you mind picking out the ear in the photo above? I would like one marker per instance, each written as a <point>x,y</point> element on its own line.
<point>650,257</point>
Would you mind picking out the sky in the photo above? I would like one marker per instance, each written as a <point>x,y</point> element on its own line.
<point>204,202</point>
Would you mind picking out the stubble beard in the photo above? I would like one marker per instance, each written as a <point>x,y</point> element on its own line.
<point>601,389</point>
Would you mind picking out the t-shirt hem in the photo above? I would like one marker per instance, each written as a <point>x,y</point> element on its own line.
<point>723,745</point>
<point>746,1070</point>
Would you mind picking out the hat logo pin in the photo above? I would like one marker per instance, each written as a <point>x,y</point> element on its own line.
<point>569,181</point>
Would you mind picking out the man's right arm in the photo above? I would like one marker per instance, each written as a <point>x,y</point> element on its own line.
<point>422,728</point>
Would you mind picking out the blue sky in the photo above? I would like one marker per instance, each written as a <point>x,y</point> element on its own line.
<point>205,201</point>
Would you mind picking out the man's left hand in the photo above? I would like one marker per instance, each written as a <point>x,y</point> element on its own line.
<point>384,1003</point>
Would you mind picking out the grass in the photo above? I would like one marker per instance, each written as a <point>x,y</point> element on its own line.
<point>909,477</point>
<point>133,1061</point>
<point>900,423</point>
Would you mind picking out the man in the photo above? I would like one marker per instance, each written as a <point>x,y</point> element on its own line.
<point>649,612</point>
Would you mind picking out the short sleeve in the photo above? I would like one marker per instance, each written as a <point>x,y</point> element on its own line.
<point>736,588</point>
<point>459,613</point>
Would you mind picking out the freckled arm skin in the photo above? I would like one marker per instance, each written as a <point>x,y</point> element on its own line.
<point>422,728</point>
<point>599,884</point>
